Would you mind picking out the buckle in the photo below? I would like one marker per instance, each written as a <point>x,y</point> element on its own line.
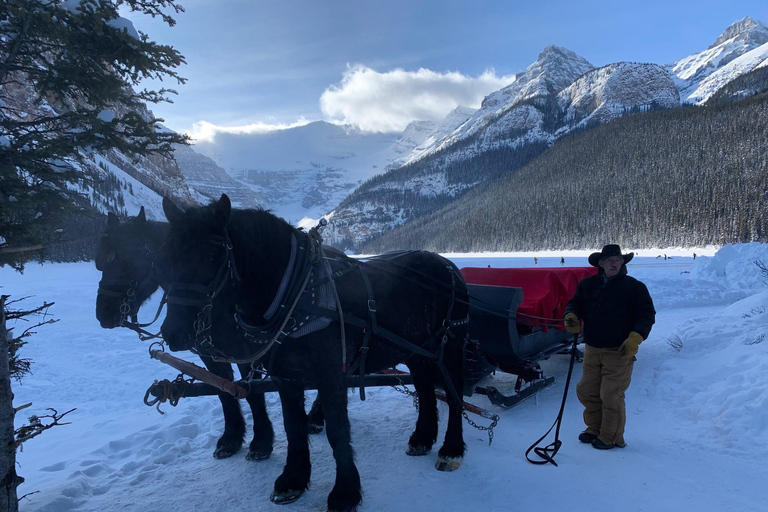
<point>371,305</point>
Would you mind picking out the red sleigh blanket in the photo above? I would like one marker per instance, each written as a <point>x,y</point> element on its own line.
<point>546,291</point>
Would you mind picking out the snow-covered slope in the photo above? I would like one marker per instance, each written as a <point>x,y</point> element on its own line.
<point>611,91</point>
<point>739,66</point>
<point>691,72</point>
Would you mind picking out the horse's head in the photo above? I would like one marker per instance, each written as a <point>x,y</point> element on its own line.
<point>125,256</point>
<point>199,253</point>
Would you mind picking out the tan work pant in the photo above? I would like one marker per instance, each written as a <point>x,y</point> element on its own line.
<point>606,376</point>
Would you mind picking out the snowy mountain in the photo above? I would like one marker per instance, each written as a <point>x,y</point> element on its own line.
<point>558,93</point>
<point>738,50</point>
<point>307,170</point>
<point>506,112</point>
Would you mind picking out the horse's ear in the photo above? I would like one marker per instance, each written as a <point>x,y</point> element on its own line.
<point>112,219</point>
<point>223,210</point>
<point>172,212</point>
<point>142,216</point>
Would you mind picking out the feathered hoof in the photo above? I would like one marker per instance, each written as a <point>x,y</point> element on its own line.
<point>314,428</point>
<point>448,463</point>
<point>256,455</point>
<point>417,451</point>
<point>283,498</point>
<point>225,452</point>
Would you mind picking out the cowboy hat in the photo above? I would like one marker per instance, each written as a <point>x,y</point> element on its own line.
<point>608,251</point>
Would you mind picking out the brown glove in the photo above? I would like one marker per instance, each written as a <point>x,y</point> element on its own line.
<point>628,349</point>
<point>572,323</point>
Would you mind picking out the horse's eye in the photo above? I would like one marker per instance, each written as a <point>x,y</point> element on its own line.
<point>110,256</point>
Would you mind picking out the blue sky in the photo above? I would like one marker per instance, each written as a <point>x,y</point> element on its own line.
<point>269,62</point>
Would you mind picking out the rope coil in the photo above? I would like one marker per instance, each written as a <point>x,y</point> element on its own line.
<point>167,391</point>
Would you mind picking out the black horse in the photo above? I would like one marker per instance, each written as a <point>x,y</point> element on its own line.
<point>309,317</point>
<point>133,264</point>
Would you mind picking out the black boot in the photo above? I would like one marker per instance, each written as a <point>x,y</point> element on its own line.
<point>587,437</point>
<point>601,445</point>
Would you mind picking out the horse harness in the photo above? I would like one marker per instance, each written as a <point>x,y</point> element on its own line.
<point>307,301</point>
<point>126,290</point>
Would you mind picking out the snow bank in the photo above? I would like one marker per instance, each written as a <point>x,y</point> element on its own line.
<point>734,266</point>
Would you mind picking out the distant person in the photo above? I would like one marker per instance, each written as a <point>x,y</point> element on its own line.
<point>562,261</point>
<point>694,256</point>
<point>618,313</point>
<point>665,257</point>
<point>535,260</point>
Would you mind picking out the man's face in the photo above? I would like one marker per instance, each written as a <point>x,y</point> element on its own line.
<point>611,265</point>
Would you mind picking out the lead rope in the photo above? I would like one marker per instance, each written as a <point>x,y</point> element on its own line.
<point>554,447</point>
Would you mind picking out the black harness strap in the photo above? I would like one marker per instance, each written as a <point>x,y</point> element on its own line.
<point>367,331</point>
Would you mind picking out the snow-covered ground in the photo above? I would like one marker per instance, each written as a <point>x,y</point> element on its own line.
<point>697,429</point>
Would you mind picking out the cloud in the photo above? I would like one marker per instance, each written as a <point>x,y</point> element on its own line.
<point>387,102</point>
<point>203,131</point>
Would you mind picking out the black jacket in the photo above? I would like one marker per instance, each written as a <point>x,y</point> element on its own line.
<point>612,309</point>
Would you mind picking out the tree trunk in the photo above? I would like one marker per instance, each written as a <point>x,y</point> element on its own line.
<point>9,501</point>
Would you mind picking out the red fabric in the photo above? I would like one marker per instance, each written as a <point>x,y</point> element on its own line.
<point>546,291</point>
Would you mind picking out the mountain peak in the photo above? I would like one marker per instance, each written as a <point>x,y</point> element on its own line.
<point>745,28</point>
<point>558,65</point>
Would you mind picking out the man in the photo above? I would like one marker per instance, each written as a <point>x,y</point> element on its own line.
<point>618,313</point>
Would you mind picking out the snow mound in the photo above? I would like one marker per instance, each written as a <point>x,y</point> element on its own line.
<point>735,266</point>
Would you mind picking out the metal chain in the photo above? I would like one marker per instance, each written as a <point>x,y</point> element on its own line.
<point>404,390</point>
<point>489,428</point>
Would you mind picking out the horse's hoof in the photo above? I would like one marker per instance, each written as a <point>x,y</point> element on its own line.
<point>448,463</point>
<point>225,452</point>
<point>314,428</point>
<point>417,451</point>
<point>348,509</point>
<point>285,497</point>
<point>257,455</point>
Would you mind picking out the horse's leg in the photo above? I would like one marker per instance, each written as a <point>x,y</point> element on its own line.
<point>451,454</point>
<point>425,434</point>
<point>263,433</point>
<point>294,480</point>
<point>346,494</point>
<point>316,418</point>
<point>231,440</point>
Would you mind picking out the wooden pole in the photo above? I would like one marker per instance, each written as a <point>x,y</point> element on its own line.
<point>199,373</point>
<point>10,480</point>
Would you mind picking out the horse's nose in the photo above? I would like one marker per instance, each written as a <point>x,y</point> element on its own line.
<point>106,319</point>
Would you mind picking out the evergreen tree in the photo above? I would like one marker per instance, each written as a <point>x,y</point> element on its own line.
<point>67,78</point>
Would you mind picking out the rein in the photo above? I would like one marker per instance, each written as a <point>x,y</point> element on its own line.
<point>548,452</point>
